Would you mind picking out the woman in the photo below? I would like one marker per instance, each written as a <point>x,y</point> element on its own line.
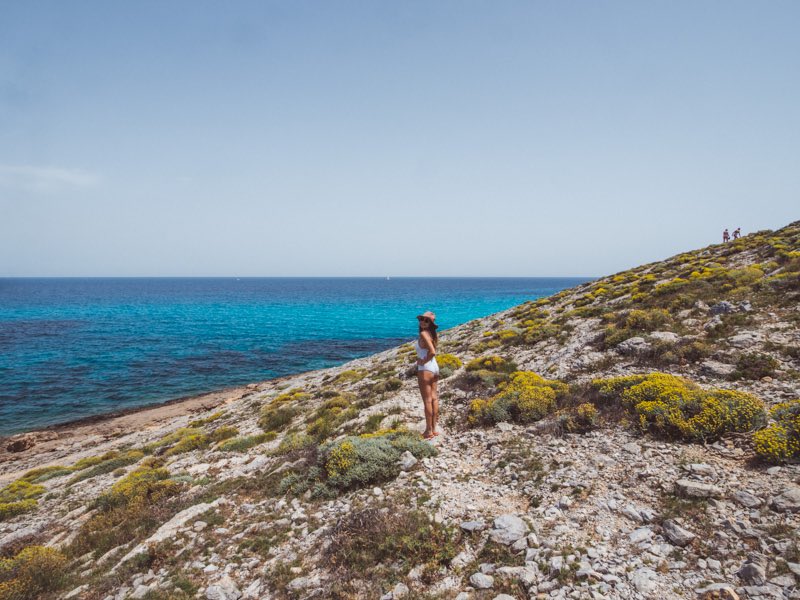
<point>428,371</point>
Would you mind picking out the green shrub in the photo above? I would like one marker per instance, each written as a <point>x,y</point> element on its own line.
<point>241,444</point>
<point>31,573</point>
<point>350,376</point>
<point>580,419</point>
<point>330,416</point>
<point>134,506</point>
<point>276,418</point>
<point>389,385</point>
<point>222,433</point>
<point>292,442</point>
<point>45,473</point>
<point>755,366</point>
<point>780,441</point>
<point>108,462</point>
<point>401,538</point>
<point>357,461</point>
<point>209,419</point>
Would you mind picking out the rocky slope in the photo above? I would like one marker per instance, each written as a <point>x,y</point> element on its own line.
<point>319,486</point>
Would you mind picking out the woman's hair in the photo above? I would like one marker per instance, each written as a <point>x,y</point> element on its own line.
<point>434,335</point>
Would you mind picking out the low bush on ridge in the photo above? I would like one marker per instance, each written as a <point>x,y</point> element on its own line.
<point>19,497</point>
<point>354,462</point>
<point>33,571</point>
<point>384,543</point>
<point>780,440</point>
<point>675,408</point>
<point>524,398</point>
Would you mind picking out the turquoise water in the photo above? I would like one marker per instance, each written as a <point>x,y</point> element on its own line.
<point>72,348</point>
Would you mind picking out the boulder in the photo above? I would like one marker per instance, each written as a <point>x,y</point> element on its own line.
<point>746,499</point>
<point>694,489</point>
<point>677,534</point>
<point>643,579</point>
<point>508,529</point>
<point>722,308</point>
<point>745,339</point>
<point>407,460</point>
<point>665,336</point>
<point>481,581</point>
<point>715,368</point>
<point>224,589</point>
<point>788,500</point>
<point>633,346</point>
<point>752,573</point>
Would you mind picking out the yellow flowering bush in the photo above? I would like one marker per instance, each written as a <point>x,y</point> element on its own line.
<point>18,497</point>
<point>143,485</point>
<point>133,507</point>
<point>32,572</point>
<point>780,441</point>
<point>524,398</point>
<point>493,363</point>
<point>674,407</point>
<point>348,376</point>
<point>340,458</point>
<point>448,361</point>
<point>580,419</point>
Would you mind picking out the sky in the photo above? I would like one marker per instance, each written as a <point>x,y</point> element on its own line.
<point>338,138</point>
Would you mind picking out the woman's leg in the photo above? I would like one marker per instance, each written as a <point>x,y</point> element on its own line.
<point>424,389</point>
<point>435,403</point>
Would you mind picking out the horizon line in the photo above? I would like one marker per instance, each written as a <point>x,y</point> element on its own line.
<point>384,277</point>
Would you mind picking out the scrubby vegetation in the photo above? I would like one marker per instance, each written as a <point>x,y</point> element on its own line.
<point>780,441</point>
<point>18,497</point>
<point>448,364</point>
<point>675,408</point>
<point>755,365</point>
<point>32,572</point>
<point>625,325</point>
<point>353,462</point>
<point>524,398</point>
<point>135,505</point>
<point>332,414</point>
<point>280,411</point>
<point>241,444</point>
<point>376,544</point>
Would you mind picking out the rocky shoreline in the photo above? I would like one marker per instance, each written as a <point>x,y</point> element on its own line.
<point>621,439</point>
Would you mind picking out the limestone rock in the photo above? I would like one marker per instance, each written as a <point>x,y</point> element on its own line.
<point>633,346</point>
<point>407,460</point>
<point>508,529</point>
<point>788,500</point>
<point>677,534</point>
<point>746,499</point>
<point>716,369</point>
<point>689,488</point>
<point>224,589</point>
<point>481,581</point>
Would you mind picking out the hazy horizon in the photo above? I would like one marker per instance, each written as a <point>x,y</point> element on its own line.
<point>521,139</point>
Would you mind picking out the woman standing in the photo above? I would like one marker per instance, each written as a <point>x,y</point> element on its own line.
<point>428,371</point>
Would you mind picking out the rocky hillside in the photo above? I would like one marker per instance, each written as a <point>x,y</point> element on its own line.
<point>633,437</point>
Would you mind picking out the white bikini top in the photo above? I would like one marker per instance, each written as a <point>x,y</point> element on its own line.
<point>421,352</point>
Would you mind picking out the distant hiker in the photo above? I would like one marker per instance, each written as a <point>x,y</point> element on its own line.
<point>726,236</point>
<point>428,371</point>
<point>737,232</point>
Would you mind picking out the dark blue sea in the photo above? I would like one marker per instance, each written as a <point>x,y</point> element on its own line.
<point>72,348</point>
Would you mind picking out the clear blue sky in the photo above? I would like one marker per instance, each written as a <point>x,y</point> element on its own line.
<point>390,138</point>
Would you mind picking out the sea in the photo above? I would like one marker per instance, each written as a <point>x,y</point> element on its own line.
<point>78,347</point>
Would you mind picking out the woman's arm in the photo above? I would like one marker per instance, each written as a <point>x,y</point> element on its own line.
<point>431,351</point>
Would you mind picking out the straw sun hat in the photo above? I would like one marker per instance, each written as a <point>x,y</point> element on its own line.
<point>430,316</point>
